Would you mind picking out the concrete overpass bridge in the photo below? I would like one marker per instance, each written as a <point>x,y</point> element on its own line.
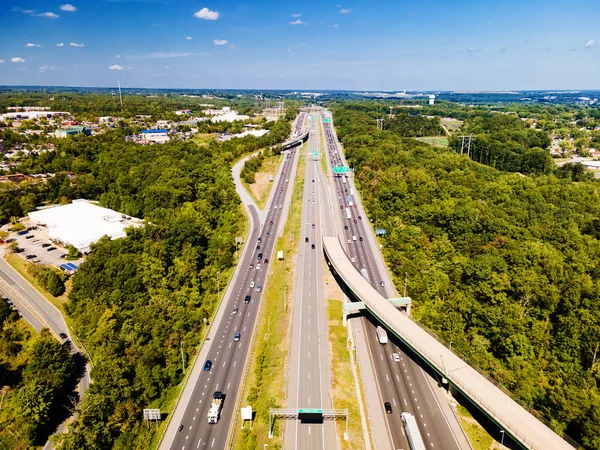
<point>294,142</point>
<point>515,420</point>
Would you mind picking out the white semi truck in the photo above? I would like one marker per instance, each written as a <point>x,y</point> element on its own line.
<point>215,408</point>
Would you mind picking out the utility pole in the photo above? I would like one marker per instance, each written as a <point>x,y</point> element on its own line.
<point>182,358</point>
<point>466,143</point>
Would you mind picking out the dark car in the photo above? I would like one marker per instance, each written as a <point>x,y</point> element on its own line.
<point>258,247</point>
<point>306,239</point>
<point>259,256</point>
<point>361,239</point>
<point>359,217</point>
<point>62,335</point>
<point>259,239</point>
<point>30,256</point>
<point>45,245</point>
<point>266,260</point>
<point>207,365</point>
<point>312,246</point>
<point>387,406</point>
<point>247,299</point>
<point>267,233</point>
<point>21,233</point>
<point>345,227</point>
<point>29,236</point>
<point>51,249</point>
<point>270,222</point>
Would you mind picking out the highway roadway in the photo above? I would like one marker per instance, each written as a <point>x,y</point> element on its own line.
<point>403,383</point>
<point>309,384</point>
<point>227,355</point>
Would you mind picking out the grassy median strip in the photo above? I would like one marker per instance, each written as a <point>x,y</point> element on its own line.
<point>265,384</point>
<point>322,149</point>
<point>342,383</point>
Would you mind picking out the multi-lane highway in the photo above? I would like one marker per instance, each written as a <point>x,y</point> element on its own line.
<point>309,383</point>
<point>402,382</point>
<point>228,349</point>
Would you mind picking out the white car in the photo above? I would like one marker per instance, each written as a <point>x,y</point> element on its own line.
<point>353,260</point>
<point>396,357</point>
<point>258,267</point>
<point>252,284</point>
<point>349,241</point>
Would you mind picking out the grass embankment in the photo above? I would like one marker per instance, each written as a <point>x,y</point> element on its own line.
<point>260,189</point>
<point>343,384</point>
<point>204,139</point>
<point>322,149</point>
<point>265,385</point>
<point>436,141</point>
<point>480,439</point>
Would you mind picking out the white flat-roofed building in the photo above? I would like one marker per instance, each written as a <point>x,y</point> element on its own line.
<point>28,115</point>
<point>155,136</point>
<point>81,223</point>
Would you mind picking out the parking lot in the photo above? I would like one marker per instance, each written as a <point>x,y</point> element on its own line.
<point>38,249</point>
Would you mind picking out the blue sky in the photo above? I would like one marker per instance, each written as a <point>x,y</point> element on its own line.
<point>358,45</point>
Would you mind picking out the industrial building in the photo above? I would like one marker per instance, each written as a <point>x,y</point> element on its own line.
<point>155,136</point>
<point>81,223</point>
<point>72,131</point>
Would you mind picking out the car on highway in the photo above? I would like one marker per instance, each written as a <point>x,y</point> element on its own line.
<point>259,256</point>
<point>258,267</point>
<point>312,246</point>
<point>62,335</point>
<point>396,357</point>
<point>237,336</point>
<point>349,241</point>
<point>252,284</point>
<point>235,310</point>
<point>270,222</point>
<point>353,259</point>
<point>251,266</point>
<point>361,239</point>
<point>259,288</point>
<point>207,365</point>
<point>267,233</point>
<point>180,427</point>
<point>313,225</point>
<point>247,299</point>
<point>259,239</point>
<point>345,227</point>
<point>354,220</point>
<point>382,284</point>
<point>266,261</point>
<point>388,407</point>
<point>306,239</point>
<point>359,217</point>
<point>258,247</point>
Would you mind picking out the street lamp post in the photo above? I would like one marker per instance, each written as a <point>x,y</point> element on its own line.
<point>502,438</point>
<point>218,283</point>
<point>182,358</point>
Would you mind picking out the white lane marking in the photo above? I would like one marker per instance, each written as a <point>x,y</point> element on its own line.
<point>213,442</point>
<point>198,446</point>
<point>405,402</point>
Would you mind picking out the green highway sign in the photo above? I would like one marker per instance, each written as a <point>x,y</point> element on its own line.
<point>315,153</point>
<point>341,169</point>
<point>309,410</point>
<point>326,120</point>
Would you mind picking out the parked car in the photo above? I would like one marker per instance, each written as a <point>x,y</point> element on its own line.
<point>51,249</point>
<point>30,256</point>
<point>45,245</point>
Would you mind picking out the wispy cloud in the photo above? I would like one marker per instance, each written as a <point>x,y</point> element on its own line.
<point>116,67</point>
<point>296,15</point>
<point>161,55</point>
<point>335,25</point>
<point>188,38</point>
<point>60,44</point>
<point>24,11</point>
<point>590,44</point>
<point>17,59</point>
<point>220,42</point>
<point>68,7</point>
<point>74,44</point>
<point>206,14</point>
<point>43,69</point>
<point>1,61</point>
<point>118,56</point>
<point>29,44</point>
<point>49,15</point>
<point>344,10</point>
<point>297,22</point>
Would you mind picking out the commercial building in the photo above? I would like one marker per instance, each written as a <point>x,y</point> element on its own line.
<point>72,131</point>
<point>155,136</point>
<point>81,223</point>
<point>182,112</point>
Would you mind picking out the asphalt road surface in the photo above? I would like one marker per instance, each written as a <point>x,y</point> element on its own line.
<point>402,383</point>
<point>309,384</point>
<point>228,356</point>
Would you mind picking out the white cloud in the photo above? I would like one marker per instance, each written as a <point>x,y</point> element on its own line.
<point>74,44</point>
<point>206,14</point>
<point>296,15</point>
<point>116,67</point>
<point>166,67</point>
<point>589,44</point>
<point>43,69</point>
<point>188,38</point>
<point>29,44</point>
<point>17,59</point>
<point>60,44</point>
<point>345,10</point>
<point>24,11</point>
<point>220,42</point>
<point>118,56</point>
<point>68,7</point>
<point>49,15</point>
<point>1,61</point>
<point>297,22</point>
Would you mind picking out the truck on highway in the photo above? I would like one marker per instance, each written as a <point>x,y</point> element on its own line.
<point>215,408</point>
<point>412,432</point>
<point>350,203</point>
<point>344,179</point>
<point>348,214</point>
<point>382,336</point>
<point>352,192</point>
<point>364,274</point>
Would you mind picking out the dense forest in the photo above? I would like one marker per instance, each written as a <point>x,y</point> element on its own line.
<point>36,375</point>
<point>504,266</point>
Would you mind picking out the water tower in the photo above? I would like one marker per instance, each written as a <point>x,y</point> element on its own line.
<point>431,100</point>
